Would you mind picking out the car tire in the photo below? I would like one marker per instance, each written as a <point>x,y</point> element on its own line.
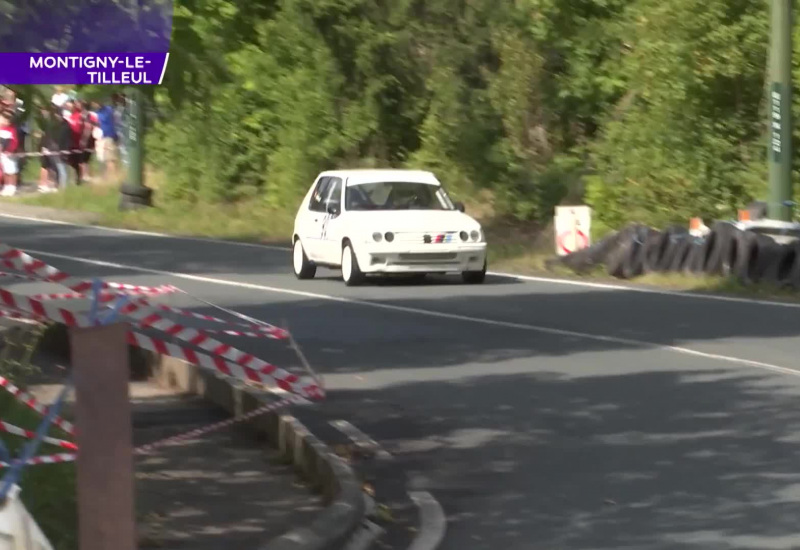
<point>303,267</point>
<point>474,277</point>
<point>351,273</point>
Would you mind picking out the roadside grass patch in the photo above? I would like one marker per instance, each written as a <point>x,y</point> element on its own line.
<point>48,490</point>
<point>250,220</point>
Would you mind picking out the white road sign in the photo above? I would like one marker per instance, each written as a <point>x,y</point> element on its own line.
<point>572,227</point>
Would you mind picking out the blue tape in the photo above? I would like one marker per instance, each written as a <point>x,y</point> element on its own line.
<point>96,287</point>
<point>114,314</point>
<point>14,473</point>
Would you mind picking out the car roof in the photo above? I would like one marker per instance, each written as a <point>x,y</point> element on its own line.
<point>360,176</point>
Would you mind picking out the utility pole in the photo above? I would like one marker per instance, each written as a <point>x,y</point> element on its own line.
<point>134,193</point>
<point>780,112</point>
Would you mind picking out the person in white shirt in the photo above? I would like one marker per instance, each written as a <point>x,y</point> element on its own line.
<point>59,98</point>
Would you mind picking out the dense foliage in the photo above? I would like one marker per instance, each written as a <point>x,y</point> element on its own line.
<point>648,110</point>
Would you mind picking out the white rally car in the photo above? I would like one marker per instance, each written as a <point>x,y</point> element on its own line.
<point>385,222</point>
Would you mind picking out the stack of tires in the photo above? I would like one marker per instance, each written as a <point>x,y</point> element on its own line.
<point>725,251</point>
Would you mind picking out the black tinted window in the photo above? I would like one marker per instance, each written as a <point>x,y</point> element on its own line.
<point>317,202</point>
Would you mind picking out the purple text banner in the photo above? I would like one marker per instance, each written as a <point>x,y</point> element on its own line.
<point>82,68</point>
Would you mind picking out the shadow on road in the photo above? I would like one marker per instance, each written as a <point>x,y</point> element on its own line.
<point>658,460</point>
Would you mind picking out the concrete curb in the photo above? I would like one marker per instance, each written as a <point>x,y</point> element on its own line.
<point>313,461</point>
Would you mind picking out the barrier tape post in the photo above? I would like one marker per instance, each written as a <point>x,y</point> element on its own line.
<point>104,436</point>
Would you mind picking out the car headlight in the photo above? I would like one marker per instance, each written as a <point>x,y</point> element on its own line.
<point>475,235</point>
<point>377,237</point>
<point>389,236</point>
<point>464,236</point>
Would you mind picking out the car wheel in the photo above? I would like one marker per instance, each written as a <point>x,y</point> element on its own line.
<point>351,273</point>
<point>303,268</point>
<point>474,277</point>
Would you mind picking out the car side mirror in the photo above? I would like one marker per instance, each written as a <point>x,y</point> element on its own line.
<point>460,206</point>
<point>333,208</point>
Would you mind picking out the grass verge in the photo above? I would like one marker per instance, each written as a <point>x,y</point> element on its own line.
<point>250,221</point>
<point>48,490</point>
<point>515,248</point>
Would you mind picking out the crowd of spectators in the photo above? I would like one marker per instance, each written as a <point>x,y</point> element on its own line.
<point>68,133</point>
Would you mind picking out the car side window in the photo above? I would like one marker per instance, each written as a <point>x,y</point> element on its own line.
<point>319,196</point>
<point>334,193</point>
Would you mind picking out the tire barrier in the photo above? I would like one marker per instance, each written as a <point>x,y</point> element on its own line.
<point>725,251</point>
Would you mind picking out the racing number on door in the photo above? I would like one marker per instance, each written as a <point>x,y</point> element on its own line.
<point>334,196</point>
<point>324,226</point>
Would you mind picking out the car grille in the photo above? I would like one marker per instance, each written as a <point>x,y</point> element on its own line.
<point>431,257</point>
<point>428,237</point>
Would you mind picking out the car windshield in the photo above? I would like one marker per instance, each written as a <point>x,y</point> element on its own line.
<point>397,195</point>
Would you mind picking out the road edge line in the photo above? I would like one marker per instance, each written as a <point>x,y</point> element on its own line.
<point>501,274</point>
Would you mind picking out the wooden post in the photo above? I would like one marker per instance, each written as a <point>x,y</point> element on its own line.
<point>105,479</point>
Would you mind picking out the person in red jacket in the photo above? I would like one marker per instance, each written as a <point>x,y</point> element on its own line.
<point>9,143</point>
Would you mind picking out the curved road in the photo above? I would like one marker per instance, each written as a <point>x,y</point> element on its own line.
<point>541,414</point>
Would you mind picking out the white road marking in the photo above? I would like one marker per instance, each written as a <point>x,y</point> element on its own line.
<point>432,519</point>
<point>528,278</point>
<point>430,313</point>
<point>663,292</point>
<point>147,233</point>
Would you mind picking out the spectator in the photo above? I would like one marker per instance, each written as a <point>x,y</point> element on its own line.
<point>88,140</point>
<point>51,168</point>
<point>8,146</point>
<point>68,108</point>
<point>59,97</point>
<point>107,147</point>
<point>63,137</point>
<point>121,127</point>
<point>76,124</point>
<point>18,119</point>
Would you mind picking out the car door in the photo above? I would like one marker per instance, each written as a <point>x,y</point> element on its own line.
<point>332,225</point>
<point>311,219</point>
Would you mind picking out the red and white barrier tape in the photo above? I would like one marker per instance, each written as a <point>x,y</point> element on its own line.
<point>50,153</point>
<point>16,275</point>
<point>266,331</point>
<point>284,380</point>
<point>144,449</point>
<point>47,459</point>
<point>8,314</point>
<point>21,261</point>
<point>108,296</point>
<point>41,308</point>
<point>31,402</point>
<point>274,332</point>
<point>148,317</point>
<point>28,434</point>
<point>229,361</point>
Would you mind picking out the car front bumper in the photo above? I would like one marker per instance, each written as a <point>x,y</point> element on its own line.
<point>431,258</point>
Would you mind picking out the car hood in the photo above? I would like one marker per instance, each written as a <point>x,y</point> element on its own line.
<point>400,221</point>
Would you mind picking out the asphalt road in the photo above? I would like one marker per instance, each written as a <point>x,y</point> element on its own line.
<point>540,414</point>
